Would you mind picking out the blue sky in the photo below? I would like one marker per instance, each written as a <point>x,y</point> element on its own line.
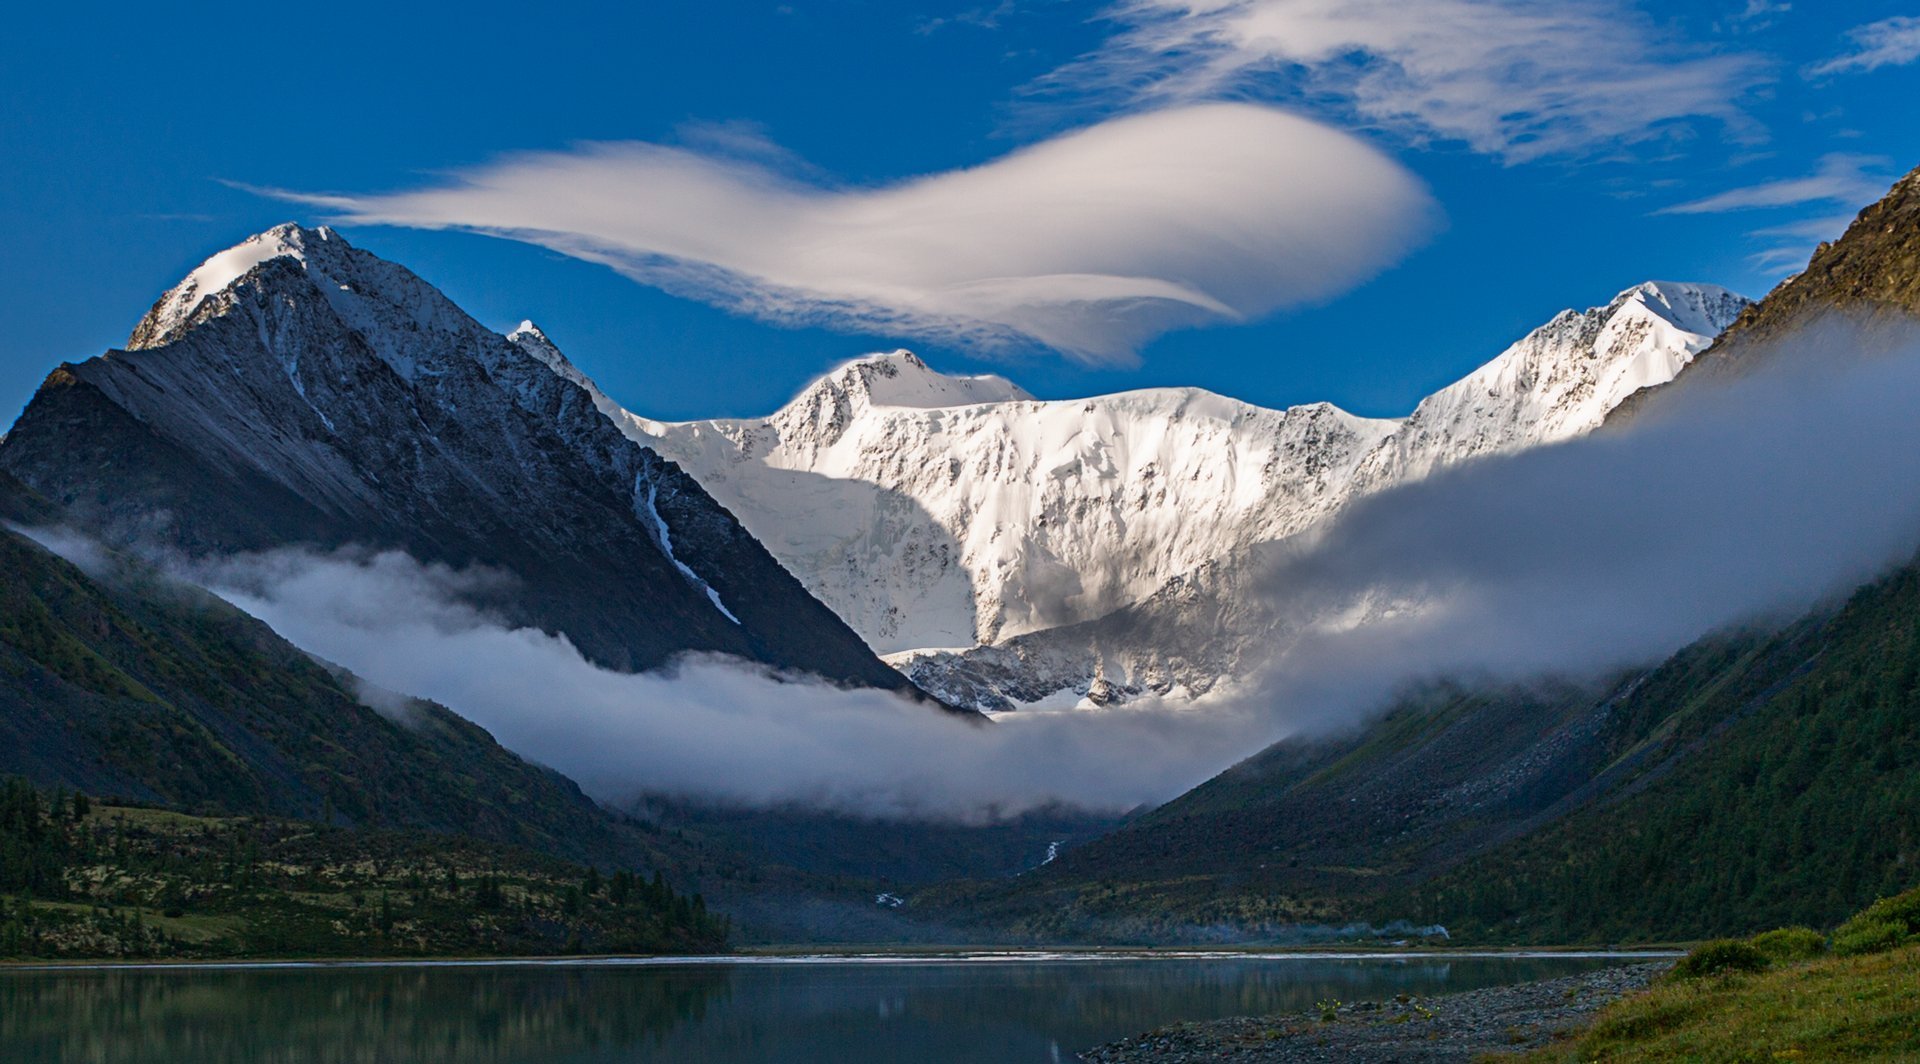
<point>1458,169</point>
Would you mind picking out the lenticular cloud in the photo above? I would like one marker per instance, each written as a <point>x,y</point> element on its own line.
<point>1091,243</point>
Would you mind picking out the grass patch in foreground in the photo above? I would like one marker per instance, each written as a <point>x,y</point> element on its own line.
<point>1864,1008</point>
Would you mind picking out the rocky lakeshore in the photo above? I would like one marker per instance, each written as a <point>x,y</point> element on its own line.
<point>1450,1027</point>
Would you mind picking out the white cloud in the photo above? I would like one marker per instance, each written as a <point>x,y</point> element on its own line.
<point>1091,243</point>
<point>1839,178</point>
<point>1759,14</point>
<point>1889,42</point>
<point>1519,79</point>
<point>1724,503</point>
<point>1606,552</point>
<point>712,728</point>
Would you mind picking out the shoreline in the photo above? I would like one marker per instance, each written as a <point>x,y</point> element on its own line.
<point>829,956</point>
<point>1440,1029</point>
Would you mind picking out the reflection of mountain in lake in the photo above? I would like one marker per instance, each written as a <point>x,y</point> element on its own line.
<point>421,1015</point>
<point>738,1013</point>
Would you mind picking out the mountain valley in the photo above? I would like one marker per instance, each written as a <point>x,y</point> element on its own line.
<point>1007,555</point>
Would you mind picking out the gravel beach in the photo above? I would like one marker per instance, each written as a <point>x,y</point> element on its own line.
<point>1450,1027</point>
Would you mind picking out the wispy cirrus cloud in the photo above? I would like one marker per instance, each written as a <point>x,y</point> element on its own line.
<point>1839,178</point>
<point>1091,243</point>
<point>1889,42</point>
<point>1839,185</point>
<point>1519,79</point>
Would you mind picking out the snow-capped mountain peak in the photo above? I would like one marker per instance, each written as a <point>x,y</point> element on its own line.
<point>1560,380</point>
<point>176,309</point>
<point>933,511</point>
<point>389,307</point>
<point>901,379</point>
<point>296,390</point>
<point>941,511</point>
<point>528,333</point>
<point>529,338</point>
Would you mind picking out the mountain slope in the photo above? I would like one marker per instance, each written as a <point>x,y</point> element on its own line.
<point>1867,283</point>
<point>1198,627</point>
<point>1751,780</point>
<point>941,512</point>
<point>123,684</point>
<point>296,391</point>
<point>947,525</point>
<point>1872,272</point>
<point>1794,805</point>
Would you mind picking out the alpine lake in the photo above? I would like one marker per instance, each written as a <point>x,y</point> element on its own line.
<point>794,1009</point>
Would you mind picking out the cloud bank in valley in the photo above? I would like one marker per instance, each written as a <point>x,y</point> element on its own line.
<point>1748,502</point>
<point>1091,243</point>
<point>711,728</point>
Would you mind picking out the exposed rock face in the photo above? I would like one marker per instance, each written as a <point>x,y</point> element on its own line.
<point>1004,550</point>
<point>295,390</point>
<point>1873,270</point>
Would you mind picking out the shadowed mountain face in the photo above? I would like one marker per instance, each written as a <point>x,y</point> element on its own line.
<point>296,391</point>
<point>121,683</point>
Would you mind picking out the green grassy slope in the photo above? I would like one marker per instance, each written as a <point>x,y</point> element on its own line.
<point>1779,996</point>
<point>1796,807</point>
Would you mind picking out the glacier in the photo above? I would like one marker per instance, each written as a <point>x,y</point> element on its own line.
<point>937,514</point>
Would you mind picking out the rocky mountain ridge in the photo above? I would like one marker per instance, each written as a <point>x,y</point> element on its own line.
<point>978,536</point>
<point>295,391</point>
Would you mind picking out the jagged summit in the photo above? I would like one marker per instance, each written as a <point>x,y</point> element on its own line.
<point>294,390</point>
<point>177,307</point>
<point>1561,379</point>
<point>901,378</point>
<point>401,318</point>
<point>529,332</point>
<point>531,339</point>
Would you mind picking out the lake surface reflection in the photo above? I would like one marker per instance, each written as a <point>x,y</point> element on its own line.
<point>1006,1008</point>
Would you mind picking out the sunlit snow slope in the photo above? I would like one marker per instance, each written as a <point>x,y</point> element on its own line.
<point>945,512</point>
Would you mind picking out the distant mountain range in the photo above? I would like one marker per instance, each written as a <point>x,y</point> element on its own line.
<point>1005,551</point>
<point>296,391</point>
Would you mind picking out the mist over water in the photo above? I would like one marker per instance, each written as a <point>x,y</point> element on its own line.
<point>1745,503</point>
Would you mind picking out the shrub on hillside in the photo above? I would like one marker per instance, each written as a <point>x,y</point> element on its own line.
<point>1884,925</point>
<point>1858,936</point>
<point>1787,944</point>
<point>1719,958</point>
